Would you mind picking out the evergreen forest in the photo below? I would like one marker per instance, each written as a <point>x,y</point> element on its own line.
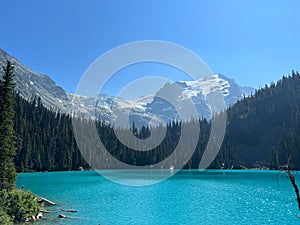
<point>263,130</point>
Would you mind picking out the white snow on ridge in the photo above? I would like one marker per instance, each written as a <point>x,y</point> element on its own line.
<point>142,100</point>
<point>205,86</point>
<point>142,109</point>
<point>187,94</point>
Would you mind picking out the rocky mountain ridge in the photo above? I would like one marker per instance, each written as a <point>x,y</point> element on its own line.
<point>30,84</point>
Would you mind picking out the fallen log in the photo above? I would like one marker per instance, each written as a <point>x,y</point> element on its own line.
<point>69,210</point>
<point>41,199</point>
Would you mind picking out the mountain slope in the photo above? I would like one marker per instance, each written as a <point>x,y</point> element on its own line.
<point>30,84</point>
<point>198,92</point>
<point>149,109</point>
<point>264,129</point>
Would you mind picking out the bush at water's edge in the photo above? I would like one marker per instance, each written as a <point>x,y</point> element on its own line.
<point>17,206</point>
<point>4,218</point>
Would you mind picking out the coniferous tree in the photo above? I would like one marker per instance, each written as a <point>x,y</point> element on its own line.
<point>7,139</point>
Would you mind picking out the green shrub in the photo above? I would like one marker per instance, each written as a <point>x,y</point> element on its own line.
<point>19,205</point>
<point>4,218</point>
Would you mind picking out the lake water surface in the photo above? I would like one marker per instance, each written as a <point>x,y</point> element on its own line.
<point>189,197</point>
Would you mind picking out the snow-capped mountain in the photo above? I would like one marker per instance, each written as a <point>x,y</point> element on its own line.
<point>153,109</point>
<point>197,91</point>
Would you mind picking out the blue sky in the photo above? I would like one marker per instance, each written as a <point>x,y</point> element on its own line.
<point>254,42</point>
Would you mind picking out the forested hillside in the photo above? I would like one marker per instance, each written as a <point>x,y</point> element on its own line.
<point>263,131</point>
<point>44,138</point>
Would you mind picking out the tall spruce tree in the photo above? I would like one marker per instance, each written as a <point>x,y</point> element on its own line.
<point>7,139</point>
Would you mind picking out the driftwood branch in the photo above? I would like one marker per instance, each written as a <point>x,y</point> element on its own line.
<point>292,179</point>
<point>287,169</point>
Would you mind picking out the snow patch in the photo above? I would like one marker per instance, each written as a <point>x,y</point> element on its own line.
<point>205,86</point>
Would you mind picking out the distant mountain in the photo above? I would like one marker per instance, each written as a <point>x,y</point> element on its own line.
<point>196,91</point>
<point>153,108</point>
<point>263,130</point>
<point>30,84</point>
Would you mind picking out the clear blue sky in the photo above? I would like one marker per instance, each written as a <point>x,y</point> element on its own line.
<point>254,42</point>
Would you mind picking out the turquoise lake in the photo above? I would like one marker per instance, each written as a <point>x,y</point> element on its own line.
<point>189,197</point>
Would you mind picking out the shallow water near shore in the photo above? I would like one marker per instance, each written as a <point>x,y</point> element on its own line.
<point>189,197</point>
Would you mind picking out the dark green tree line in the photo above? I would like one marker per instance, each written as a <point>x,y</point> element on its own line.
<point>262,130</point>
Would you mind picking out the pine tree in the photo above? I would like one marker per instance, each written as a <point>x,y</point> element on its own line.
<point>7,139</point>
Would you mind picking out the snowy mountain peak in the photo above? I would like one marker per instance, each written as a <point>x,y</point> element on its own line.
<point>142,110</point>
<point>205,86</point>
<point>197,91</point>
